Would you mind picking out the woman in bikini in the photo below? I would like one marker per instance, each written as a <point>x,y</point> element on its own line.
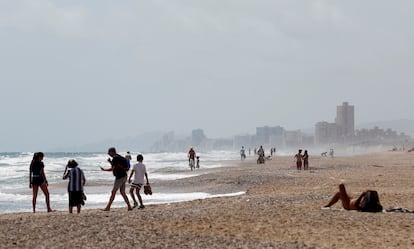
<point>368,201</point>
<point>305,158</point>
<point>37,179</point>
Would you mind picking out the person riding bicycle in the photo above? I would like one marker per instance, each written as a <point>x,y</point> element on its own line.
<point>191,154</point>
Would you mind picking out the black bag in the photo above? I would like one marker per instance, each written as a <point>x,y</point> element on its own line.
<point>83,198</point>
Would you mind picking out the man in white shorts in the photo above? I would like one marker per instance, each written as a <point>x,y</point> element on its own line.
<point>139,180</point>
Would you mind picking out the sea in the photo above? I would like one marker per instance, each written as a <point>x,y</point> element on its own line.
<point>16,196</point>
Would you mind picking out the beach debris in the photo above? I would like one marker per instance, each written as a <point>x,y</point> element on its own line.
<point>398,210</point>
<point>378,166</point>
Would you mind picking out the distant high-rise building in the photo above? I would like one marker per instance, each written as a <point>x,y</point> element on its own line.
<point>197,136</point>
<point>345,122</point>
<point>325,133</point>
<point>263,134</point>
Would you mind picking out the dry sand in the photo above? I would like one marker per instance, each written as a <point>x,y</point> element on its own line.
<point>281,209</point>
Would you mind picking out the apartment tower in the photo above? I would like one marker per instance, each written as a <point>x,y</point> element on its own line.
<point>345,122</point>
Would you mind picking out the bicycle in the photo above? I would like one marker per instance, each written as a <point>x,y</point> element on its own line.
<point>191,163</point>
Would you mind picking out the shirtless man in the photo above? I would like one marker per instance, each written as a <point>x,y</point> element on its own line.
<point>299,160</point>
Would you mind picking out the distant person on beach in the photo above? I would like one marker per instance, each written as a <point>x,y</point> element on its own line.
<point>198,162</point>
<point>140,172</point>
<point>128,156</point>
<point>298,157</point>
<point>368,201</point>
<point>75,185</point>
<point>331,153</point>
<point>305,158</point>
<point>119,168</point>
<point>242,153</point>
<point>191,154</point>
<point>261,154</point>
<point>37,178</point>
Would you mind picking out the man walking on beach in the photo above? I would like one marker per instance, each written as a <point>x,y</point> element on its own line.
<point>242,153</point>
<point>119,168</point>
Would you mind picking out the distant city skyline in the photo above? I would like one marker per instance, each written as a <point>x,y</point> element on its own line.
<point>145,141</point>
<point>341,132</point>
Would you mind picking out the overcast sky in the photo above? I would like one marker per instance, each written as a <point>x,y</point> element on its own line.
<point>77,72</point>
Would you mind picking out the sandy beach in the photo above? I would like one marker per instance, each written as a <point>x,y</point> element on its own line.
<point>281,209</point>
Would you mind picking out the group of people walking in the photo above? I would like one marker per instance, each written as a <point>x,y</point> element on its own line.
<point>119,167</point>
<point>302,159</point>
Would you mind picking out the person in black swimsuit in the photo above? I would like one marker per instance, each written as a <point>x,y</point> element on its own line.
<point>37,179</point>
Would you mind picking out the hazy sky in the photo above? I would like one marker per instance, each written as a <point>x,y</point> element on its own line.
<point>77,72</point>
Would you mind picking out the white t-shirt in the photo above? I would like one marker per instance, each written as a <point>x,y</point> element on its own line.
<point>140,170</point>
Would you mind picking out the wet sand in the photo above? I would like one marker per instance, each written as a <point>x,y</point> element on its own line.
<point>281,209</point>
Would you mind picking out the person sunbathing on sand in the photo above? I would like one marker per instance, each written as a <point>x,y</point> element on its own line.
<point>368,201</point>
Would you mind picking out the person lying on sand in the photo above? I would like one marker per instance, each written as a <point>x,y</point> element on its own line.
<point>368,201</point>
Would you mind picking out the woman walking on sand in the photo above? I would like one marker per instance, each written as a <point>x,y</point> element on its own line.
<point>37,178</point>
<point>305,158</point>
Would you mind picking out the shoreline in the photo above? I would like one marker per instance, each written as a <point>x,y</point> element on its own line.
<point>280,209</point>
<point>98,192</point>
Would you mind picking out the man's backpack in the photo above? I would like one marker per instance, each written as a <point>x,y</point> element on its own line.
<point>122,162</point>
<point>370,202</point>
<point>128,163</point>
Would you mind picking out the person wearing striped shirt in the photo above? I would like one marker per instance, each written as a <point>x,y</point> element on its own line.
<point>75,185</point>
